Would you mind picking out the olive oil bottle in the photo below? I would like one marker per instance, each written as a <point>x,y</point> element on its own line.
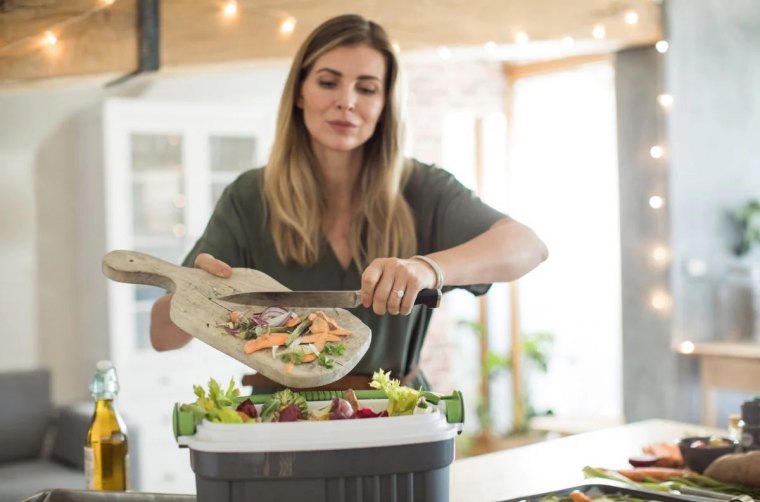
<point>106,449</point>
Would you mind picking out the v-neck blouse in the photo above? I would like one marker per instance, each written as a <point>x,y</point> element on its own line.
<point>445,213</point>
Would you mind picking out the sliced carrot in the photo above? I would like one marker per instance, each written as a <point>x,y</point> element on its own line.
<point>579,496</point>
<point>339,332</point>
<point>307,358</point>
<point>318,325</point>
<point>319,339</point>
<point>289,368</point>
<point>234,316</point>
<point>293,321</point>
<point>264,342</point>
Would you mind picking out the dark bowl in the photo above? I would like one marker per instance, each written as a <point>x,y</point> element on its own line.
<point>698,457</point>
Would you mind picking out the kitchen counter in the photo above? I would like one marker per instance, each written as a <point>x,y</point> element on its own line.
<point>558,463</point>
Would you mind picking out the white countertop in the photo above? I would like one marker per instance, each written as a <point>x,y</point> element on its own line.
<point>558,463</point>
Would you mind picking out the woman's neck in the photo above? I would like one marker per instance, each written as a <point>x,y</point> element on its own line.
<point>340,172</point>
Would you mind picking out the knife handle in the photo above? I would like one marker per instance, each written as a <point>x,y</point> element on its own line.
<point>429,297</point>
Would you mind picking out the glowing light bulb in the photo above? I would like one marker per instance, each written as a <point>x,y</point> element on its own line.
<point>230,9</point>
<point>660,300</point>
<point>696,267</point>
<point>179,200</point>
<point>657,152</point>
<point>521,37</point>
<point>686,347</point>
<point>665,100</point>
<point>599,31</point>
<point>107,2</point>
<point>396,46</point>
<point>660,254</point>
<point>656,202</point>
<point>49,39</point>
<point>490,46</point>
<point>178,229</point>
<point>568,41</point>
<point>287,26</point>
<point>631,17</point>
<point>444,52</point>
<point>662,46</point>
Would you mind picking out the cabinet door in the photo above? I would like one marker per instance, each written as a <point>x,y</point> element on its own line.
<point>165,167</point>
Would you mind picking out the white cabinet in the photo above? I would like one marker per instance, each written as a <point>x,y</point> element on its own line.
<point>165,165</point>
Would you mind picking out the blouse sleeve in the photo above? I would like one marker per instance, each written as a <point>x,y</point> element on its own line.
<point>447,213</point>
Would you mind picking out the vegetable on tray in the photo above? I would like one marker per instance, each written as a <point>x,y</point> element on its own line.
<point>314,338</point>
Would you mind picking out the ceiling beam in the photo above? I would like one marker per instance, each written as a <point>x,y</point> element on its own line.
<point>97,38</point>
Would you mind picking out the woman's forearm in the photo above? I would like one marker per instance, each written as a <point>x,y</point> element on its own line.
<point>164,334</point>
<point>505,252</point>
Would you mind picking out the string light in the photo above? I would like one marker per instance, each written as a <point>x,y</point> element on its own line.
<point>660,254</point>
<point>660,300</point>
<point>599,31</point>
<point>686,347</point>
<point>656,202</point>
<point>49,39</point>
<point>396,46</point>
<point>657,152</point>
<point>230,9</point>
<point>521,37</point>
<point>179,200</point>
<point>287,26</point>
<point>631,17</point>
<point>444,53</point>
<point>665,100</point>
<point>490,46</point>
<point>568,41</point>
<point>662,46</point>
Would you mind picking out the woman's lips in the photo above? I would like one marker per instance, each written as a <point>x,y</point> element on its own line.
<point>342,125</point>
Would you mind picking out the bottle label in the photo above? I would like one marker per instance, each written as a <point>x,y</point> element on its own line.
<point>89,469</point>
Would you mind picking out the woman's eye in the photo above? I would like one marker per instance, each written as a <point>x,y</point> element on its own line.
<point>368,90</point>
<point>326,84</point>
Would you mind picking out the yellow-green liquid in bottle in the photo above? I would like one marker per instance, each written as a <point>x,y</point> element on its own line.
<point>106,448</point>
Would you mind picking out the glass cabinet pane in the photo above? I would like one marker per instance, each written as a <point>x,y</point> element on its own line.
<point>229,156</point>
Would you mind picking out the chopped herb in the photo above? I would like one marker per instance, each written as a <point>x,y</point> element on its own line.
<point>325,361</point>
<point>334,349</point>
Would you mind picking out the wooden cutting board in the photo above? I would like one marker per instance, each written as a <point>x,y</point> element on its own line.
<point>196,310</point>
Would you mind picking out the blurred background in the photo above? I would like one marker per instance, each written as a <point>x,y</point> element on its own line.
<point>625,132</point>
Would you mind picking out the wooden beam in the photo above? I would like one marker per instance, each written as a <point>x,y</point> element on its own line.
<point>94,37</point>
<point>104,41</point>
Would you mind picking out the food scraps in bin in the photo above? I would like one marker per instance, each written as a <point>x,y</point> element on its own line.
<point>227,406</point>
<point>314,338</point>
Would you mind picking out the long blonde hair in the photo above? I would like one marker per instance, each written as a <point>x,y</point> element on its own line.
<point>383,225</point>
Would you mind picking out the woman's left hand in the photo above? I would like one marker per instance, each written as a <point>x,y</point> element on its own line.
<point>391,284</point>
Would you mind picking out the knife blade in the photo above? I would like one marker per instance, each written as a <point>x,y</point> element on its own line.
<point>335,299</point>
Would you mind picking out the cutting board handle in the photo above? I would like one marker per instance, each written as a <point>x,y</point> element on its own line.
<point>138,268</point>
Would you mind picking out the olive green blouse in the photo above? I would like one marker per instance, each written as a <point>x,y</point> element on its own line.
<point>445,212</point>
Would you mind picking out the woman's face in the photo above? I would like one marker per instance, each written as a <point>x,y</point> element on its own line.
<point>343,96</point>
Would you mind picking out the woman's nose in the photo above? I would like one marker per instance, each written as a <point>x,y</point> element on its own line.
<point>346,100</point>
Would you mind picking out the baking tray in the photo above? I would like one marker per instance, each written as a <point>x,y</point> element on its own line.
<point>594,487</point>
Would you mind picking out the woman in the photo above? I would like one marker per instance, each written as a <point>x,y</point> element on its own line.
<point>337,207</point>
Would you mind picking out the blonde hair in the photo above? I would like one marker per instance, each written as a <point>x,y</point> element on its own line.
<point>383,225</point>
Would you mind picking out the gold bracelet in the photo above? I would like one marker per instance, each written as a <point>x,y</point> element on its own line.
<point>436,268</point>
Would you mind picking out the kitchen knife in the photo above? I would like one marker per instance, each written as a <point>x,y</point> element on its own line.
<point>334,299</point>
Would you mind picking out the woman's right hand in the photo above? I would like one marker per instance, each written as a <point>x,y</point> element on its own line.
<point>205,261</point>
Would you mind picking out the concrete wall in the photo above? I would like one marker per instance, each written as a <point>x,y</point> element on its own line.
<point>712,140</point>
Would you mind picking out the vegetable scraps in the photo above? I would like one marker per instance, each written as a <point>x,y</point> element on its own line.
<point>315,338</point>
<point>227,406</point>
<point>401,400</point>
